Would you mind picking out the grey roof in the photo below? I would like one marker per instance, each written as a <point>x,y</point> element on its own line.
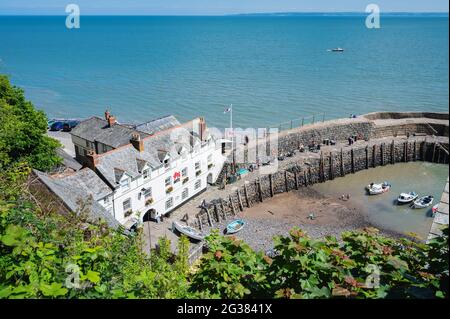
<point>97,129</point>
<point>79,186</point>
<point>158,125</point>
<point>128,159</point>
<point>68,160</point>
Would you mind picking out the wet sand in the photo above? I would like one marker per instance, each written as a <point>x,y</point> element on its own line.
<point>281,213</point>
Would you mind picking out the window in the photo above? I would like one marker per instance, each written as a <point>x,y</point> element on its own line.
<point>146,173</point>
<point>168,181</point>
<point>148,193</point>
<point>167,163</point>
<point>198,184</point>
<point>127,205</point>
<point>125,184</point>
<point>197,166</point>
<point>169,203</point>
<point>184,172</point>
<point>107,199</point>
<point>104,148</point>
<point>209,158</point>
<point>77,150</point>
<point>185,193</point>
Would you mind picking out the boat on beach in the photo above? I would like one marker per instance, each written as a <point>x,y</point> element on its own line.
<point>188,231</point>
<point>235,226</point>
<point>375,189</point>
<point>423,202</point>
<point>405,198</point>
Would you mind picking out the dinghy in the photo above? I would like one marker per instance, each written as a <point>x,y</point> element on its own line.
<point>423,202</point>
<point>235,226</point>
<point>188,231</point>
<point>375,189</point>
<point>405,198</point>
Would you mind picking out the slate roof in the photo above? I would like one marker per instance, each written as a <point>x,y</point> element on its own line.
<point>80,185</point>
<point>68,160</point>
<point>158,125</point>
<point>97,129</point>
<point>127,159</point>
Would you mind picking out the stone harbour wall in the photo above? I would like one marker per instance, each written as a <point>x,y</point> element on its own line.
<point>317,170</point>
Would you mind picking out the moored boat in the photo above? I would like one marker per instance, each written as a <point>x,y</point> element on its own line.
<point>188,231</point>
<point>235,226</point>
<point>423,202</point>
<point>375,189</point>
<point>405,198</point>
<point>337,50</point>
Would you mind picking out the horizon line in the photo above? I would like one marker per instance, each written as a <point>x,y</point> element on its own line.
<point>236,14</point>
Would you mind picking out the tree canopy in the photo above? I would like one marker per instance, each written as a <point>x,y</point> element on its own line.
<point>22,131</point>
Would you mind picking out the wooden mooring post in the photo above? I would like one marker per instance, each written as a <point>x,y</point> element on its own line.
<point>352,154</point>
<point>246,195</point>
<point>271,184</point>
<point>367,156</point>
<point>393,152</point>
<point>424,150</point>
<point>415,151</point>
<point>241,206</point>
<point>434,152</point>
<point>232,206</point>
<point>296,180</point>
<point>286,181</point>
<point>321,169</point>
<point>216,211</point>
<point>405,152</point>
<point>258,183</point>
<point>222,206</point>
<point>382,154</point>
<point>374,156</point>
<point>342,163</point>
<point>331,166</point>
<point>209,217</point>
<point>200,224</point>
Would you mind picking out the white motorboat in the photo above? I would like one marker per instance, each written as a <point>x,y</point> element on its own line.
<point>375,189</point>
<point>337,50</point>
<point>405,198</point>
<point>423,202</point>
<point>188,231</point>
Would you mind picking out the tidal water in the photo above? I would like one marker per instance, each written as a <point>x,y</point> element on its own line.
<point>272,69</point>
<point>382,210</point>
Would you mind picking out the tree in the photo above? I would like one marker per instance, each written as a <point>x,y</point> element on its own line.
<point>23,131</point>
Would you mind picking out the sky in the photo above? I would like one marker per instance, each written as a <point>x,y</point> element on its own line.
<point>212,7</point>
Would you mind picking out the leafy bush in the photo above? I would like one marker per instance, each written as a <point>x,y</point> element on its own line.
<point>364,265</point>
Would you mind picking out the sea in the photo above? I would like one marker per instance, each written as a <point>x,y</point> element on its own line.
<point>271,69</point>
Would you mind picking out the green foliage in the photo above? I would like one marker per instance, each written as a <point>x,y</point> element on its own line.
<point>363,265</point>
<point>22,131</point>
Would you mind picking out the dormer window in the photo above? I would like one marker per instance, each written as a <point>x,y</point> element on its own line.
<point>166,163</point>
<point>146,173</point>
<point>125,184</point>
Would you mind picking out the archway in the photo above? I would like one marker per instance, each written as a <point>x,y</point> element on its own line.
<point>150,215</point>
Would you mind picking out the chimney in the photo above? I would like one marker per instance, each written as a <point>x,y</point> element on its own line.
<point>137,142</point>
<point>91,159</point>
<point>107,115</point>
<point>111,120</point>
<point>202,129</point>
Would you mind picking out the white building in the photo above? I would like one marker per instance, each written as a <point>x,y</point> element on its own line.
<point>151,168</point>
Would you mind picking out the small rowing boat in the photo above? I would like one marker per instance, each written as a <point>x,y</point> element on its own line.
<point>405,198</point>
<point>423,202</point>
<point>188,231</point>
<point>235,226</point>
<point>375,189</point>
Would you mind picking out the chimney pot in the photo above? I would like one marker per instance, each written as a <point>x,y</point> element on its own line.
<point>91,159</point>
<point>137,142</point>
<point>111,120</point>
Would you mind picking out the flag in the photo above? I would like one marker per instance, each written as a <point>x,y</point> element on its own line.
<point>228,109</point>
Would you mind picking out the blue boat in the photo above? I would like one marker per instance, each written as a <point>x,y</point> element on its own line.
<point>235,226</point>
